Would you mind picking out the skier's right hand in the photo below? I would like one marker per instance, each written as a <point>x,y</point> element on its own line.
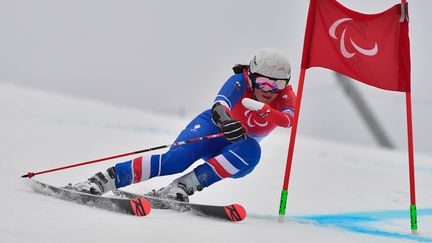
<point>233,130</point>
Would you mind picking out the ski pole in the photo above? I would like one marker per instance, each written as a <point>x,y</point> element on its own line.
<point>31,174</point>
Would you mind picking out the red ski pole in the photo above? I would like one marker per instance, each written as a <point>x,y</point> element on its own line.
<point>31,174</point>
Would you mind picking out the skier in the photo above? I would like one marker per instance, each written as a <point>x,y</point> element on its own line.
<point>235,154</point>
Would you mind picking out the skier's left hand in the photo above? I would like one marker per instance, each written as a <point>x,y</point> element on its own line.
<point>264,111</point>
<point>233,130</point>
<point>269,114</point>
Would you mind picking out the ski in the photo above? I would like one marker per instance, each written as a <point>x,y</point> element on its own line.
<point>138,206</point>
<point>233,212</point>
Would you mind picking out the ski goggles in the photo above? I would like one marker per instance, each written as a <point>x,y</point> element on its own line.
<point>266,84</point>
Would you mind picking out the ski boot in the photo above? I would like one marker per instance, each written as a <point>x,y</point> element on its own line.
<point>98,184</point>
<point>180,189</point>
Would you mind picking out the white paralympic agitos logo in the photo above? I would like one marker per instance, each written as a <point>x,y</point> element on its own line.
<point>249,122</point>
<point>344,51</point>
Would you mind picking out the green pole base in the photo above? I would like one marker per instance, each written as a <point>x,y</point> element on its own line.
<point>413,214</point>
<point>282,205</point>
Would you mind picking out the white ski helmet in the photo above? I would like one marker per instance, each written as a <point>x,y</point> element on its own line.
<point>271,64</point>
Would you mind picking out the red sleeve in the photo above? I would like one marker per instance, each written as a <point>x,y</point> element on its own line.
<point>282,114</point>
<point>287,99</point>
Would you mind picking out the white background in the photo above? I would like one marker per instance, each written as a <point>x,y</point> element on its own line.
<point>173,56</point>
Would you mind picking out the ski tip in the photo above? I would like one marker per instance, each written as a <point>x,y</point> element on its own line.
<point>140,206</point>
<point>235,212</point>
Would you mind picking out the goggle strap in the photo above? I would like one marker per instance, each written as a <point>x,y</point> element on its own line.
<point>248,80</point>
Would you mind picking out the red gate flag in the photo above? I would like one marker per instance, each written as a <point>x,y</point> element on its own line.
<point>371,48</point>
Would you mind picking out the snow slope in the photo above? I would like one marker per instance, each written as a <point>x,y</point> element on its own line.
<point>338,192</point>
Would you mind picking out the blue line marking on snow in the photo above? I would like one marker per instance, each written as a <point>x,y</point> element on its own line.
<point>361,222</point>
<point>424,169</point>
<point>358,222</point>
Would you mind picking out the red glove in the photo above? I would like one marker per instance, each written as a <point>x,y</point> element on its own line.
<point>282,119</point>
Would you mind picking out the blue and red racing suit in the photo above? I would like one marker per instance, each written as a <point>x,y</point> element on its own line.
<point>223,159</point>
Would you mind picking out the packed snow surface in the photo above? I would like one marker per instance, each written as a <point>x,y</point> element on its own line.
<point>338,192</point>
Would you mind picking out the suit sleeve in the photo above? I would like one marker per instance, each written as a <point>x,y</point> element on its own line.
<point>232,91</point>
<point>284,115</point>
<point>287,101</point>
